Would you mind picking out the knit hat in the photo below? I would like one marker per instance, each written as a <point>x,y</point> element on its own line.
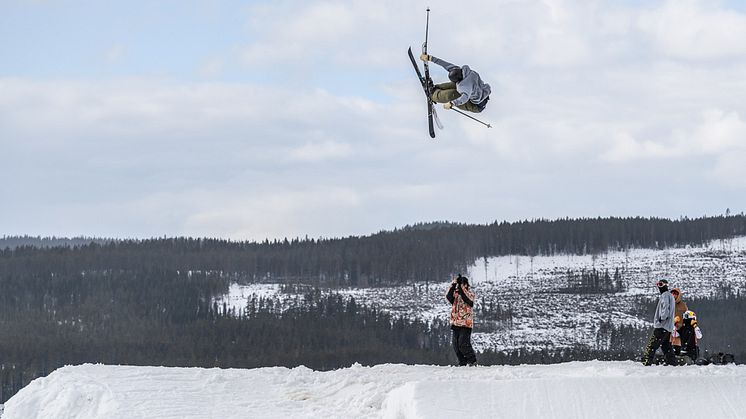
<point>676,294</point>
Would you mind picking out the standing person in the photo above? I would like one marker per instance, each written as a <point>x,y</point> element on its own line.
<point>680,309</point>
<point>462,298</point>
<point>466,90</point>
<point>690,336</point>
<point>662,326</point>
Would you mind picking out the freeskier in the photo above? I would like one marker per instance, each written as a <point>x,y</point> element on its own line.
<point>466,90</point>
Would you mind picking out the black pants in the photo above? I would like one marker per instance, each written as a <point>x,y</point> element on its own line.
<point>462,345</point>
<point>660,338</point>
<point>691,351</point>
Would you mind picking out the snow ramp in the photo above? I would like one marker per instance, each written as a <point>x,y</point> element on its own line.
<point>573,390</point>
<point>578,397</point>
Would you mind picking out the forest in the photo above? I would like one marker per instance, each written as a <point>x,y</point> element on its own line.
<point>151,302</point>
<point>412,254</point>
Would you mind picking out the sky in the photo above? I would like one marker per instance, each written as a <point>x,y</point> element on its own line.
<point>250,119</point>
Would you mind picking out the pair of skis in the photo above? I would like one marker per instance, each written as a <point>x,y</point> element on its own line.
<point>427,83</point>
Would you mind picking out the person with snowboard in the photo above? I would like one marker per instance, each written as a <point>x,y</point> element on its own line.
<point>462,298</point>
<point>662,327</point>
<point>690,336</point>
<point>681,308</point>
<point>466,90</point>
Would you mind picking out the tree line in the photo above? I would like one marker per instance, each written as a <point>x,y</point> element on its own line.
<point>424,252</point>
<point>593,281</point>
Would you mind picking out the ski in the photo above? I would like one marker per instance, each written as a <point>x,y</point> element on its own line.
<point>428,81</point>
<point>437,120</point>
<point>426,89</point>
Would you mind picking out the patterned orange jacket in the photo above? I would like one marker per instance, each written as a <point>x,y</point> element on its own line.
<point>462,314</point>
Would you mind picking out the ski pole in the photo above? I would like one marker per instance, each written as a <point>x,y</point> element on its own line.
<point>471,117</point>
<point>427,29</point>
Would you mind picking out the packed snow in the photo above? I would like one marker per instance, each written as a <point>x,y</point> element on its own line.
<point>571,390</point>
<point>545,317</point>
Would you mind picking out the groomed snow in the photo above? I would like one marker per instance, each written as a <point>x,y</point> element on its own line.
<point>572,390</point>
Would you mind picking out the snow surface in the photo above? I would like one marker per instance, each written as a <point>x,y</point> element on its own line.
<point>572,390</point>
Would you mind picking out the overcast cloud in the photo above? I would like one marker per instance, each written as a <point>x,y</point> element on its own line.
<point>293,118</point>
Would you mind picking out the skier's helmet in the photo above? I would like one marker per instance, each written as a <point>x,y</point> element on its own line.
<point>690,315</point>
<point>456,75</point>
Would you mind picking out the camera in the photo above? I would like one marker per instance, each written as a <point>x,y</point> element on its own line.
<point>461,280</point>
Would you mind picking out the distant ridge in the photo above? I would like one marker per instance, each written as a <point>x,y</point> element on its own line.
<point>12,242</point>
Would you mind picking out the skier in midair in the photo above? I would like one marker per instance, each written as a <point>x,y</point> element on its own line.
<point>662,326</point>
<point>461,298</point>
<point>466,90</point>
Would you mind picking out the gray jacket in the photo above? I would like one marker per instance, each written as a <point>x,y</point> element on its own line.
<point>472,88</point>
<point>665,312</point>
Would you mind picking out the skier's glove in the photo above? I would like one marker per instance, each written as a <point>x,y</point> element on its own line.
<point>448,105</point>
<point>425,57</point>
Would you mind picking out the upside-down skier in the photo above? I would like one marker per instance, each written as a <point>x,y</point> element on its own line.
<point>466,90</point>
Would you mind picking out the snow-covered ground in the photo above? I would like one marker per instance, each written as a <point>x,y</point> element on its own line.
<point>573,390</point>
<point>543,316</point>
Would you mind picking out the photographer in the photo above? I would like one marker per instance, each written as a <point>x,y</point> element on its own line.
<point>461,298</point>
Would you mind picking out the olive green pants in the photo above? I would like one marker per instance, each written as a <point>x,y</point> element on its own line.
<point>446,92</point>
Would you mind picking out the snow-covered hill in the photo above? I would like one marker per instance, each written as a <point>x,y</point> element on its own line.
<point>574,390</point>
<point>545,317</point>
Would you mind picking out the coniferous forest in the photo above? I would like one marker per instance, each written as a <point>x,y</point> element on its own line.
<point>151,302</point>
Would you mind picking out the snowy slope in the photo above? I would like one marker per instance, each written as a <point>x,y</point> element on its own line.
<point>573,390</point>
<point>544,316</point>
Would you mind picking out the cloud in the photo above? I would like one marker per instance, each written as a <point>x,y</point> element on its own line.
<point>627,148</point>
<point>188,154</point>
<point>321,151</point>
<point>695,29</point>
<point>212,68</point>
<point>719,136</point>
<point>730,170</point>
<point>322,129</point>
<point>720,132</point>
<point>116,53</point>
<point>281,212</point>
<point>312,29</point>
